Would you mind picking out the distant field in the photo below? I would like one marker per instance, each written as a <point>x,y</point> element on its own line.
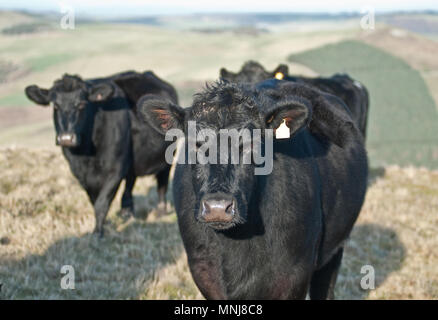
<point>418,51</point>
<point>187,59</point>
<point>403,122</point>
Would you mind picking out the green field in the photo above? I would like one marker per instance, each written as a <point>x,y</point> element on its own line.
<point>403,119</point>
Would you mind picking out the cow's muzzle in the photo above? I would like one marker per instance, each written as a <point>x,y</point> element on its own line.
<point>69,140</point>
<point>218,211</point>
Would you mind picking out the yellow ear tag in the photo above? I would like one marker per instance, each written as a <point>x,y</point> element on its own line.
<point>282,131</point>
<point>279,76</point>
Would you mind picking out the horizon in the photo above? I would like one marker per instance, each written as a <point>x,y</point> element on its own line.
<point>123,17</point>
<point>137,8</point>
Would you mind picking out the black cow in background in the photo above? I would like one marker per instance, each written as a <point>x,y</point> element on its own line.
<point>148,147</point>
<point>104,142</point>
<point>352,92</point>
<point>272,236</point>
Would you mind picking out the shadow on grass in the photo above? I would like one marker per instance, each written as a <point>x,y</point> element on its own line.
<point>122,265</point>
<point>119,266</point>
<point>374,174</point>
<point>369,244</point>
<point>144,205</point>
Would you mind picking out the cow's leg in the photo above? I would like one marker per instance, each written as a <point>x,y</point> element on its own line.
<point>162,182</point>
<point>92,195</point>
<point>323,282</point>
<point>103,201</point>
<point>127,200</point>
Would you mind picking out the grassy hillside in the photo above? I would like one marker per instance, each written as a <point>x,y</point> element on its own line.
<point>178,56</point>
<point>403,122</point>
<point>184,58</point>
<point>46,220</point>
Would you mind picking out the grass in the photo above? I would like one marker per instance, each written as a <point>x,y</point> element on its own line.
<point>30,135</point>
<point>45,61</point>
<point>5,69</point>
<point>8,19</point>
<point>46,220</point>
<point>25,28</point>
<point>403,120</point>
<point>14,99</point>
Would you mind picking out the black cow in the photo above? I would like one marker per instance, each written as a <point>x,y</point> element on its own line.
<point>103,139</point>
<point>270,236</point>
<point>352,92</point>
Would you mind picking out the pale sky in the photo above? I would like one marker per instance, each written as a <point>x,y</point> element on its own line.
<point>153,7</point>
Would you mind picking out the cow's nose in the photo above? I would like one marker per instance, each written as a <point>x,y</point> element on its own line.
<point>215,209</point>
<point>67,140</point>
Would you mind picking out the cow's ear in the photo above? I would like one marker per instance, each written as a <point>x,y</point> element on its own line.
<point>332,120</point>
<point>38,95</point>
<point>295,112</point>
<point>225,74</point>
<point>100,92</point>
<point>281,72</point>
<point>160,113</point>
<point>327,115</point>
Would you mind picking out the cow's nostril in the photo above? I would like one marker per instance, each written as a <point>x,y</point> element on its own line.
<point>205,208</point>
<point>230,208</point>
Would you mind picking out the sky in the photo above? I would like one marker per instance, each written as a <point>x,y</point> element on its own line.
<point>114,8</point>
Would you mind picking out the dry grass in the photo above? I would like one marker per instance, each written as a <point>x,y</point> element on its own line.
<point>397,233</point>
<point>46,220</point>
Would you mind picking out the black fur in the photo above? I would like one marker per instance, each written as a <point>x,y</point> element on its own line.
<point>353,93</point>
<point>111,143</point>
<point>290,225</point>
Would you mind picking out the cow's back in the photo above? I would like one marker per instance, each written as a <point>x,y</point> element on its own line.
<point>353,93</point>
<point>148,145</point>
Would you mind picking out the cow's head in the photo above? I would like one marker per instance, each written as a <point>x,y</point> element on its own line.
<point>253,72</point>
<point>73,101</point>
<point>225,190</point>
